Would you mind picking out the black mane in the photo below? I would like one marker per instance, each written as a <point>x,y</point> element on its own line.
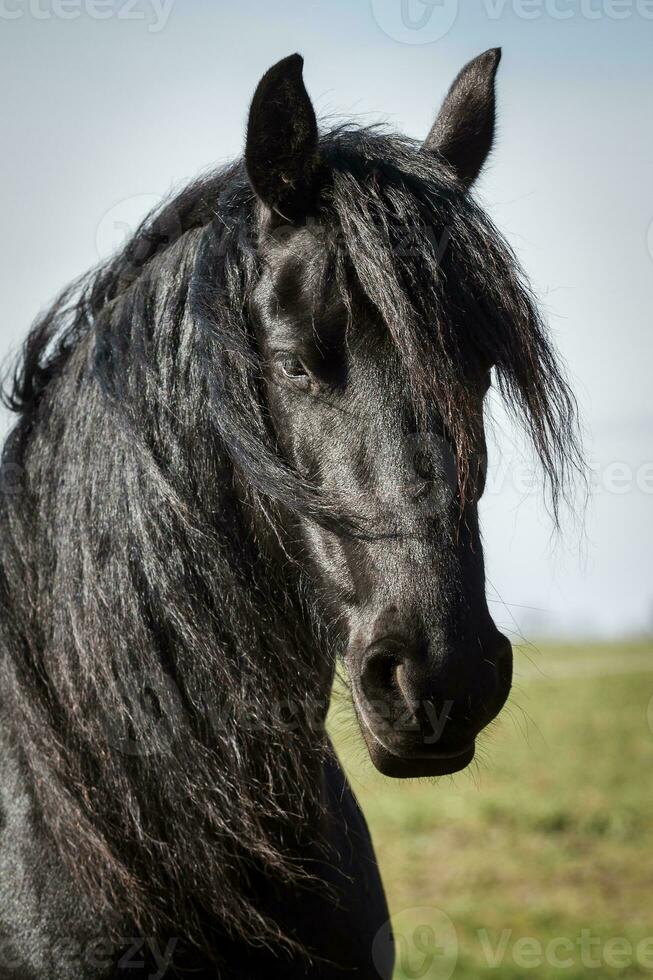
<point>142,466</point>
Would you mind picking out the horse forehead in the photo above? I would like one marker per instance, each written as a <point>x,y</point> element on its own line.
<point>299,273</point>
<point>301,296</point>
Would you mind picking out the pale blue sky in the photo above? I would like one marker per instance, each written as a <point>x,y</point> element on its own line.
<point>102,117</point>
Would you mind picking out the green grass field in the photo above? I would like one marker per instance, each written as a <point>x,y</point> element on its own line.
<point>537,861</point>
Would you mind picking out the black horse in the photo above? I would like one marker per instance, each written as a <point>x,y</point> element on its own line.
<point>248,445</point>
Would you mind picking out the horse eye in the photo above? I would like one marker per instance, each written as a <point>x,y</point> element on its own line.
<point>293,369</point>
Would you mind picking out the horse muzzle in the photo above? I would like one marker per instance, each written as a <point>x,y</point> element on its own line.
<point>419,709</point>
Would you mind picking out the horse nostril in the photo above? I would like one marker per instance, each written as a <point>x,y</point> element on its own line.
<point>378,676</point>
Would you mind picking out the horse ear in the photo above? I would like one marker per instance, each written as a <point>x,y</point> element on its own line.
<point>463,132</point>
<point>281,153</point>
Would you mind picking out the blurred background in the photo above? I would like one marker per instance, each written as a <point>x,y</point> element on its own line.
<point>112,104</point>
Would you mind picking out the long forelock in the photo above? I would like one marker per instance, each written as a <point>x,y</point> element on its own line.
<point>452,295</point>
